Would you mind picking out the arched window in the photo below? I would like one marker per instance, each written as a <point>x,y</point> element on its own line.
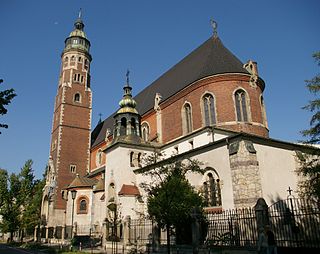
<point>211,190</point>
<point>79,59</point>
<point>187,118</point>
<point>77,97</point>
<point>66,60</point>
<point>133,126</point>
<point>145,131</point>
<point>86,64</point>
<point>241,106</point>
<point>111,193</point>
<point>131,159</point>
<point>99,157</point>
<point>123,126</point>
<point>209,110</point>
<point>263,112</point>
<point>73,59</point>
<point>82,206</point>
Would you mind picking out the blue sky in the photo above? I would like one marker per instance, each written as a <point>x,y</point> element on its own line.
<point>148,37</point>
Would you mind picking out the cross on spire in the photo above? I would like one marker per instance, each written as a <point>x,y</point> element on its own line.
<point>127,75</point>
<point>289,191</point>
<point>80,13</point>
<point>214,25</point>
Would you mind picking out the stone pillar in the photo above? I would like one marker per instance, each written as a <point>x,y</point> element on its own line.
<point>126,231</point>
<point>47,233</point>
<point>155,237</point>
<point>195,231</point>
<point>245,173</point>
<point>262,215</point>
<point>104,235</point>
<point>63,232</point>
<point>35,234</point>
<point>159,126</point>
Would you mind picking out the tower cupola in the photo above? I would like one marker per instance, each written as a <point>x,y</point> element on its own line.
<point>127,119</point>
<point>77,38</point>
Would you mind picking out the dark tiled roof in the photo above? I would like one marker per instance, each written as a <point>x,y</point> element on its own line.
<point>211,58</point>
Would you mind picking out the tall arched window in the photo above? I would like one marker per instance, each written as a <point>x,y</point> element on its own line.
<point>133,126</point>
<point>241,106</point>
<point>145,131</point>
<point>209,110</point>
<point>211,190</point>
<point>123,127</point>
<point>187,118</point>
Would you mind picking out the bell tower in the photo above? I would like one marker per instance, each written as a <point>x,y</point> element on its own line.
<point>70,136</point>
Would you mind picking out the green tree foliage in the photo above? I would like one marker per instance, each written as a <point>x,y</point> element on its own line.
<point>5,98</point>
<point>171,198</point>
<point>20,200</point>
<point>309,161</point>
<point>10,207</point>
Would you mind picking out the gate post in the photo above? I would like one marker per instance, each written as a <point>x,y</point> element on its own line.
<point>195,231</point>
<point>262,215</point>
<point>126,231</point>
<point>155,237</point>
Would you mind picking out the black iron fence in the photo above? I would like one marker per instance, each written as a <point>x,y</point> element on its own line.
<point>232,228</point>
<point>295,223</point>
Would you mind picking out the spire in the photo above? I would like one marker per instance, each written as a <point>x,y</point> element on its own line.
<point>79,23</point>
<point>127,101</point>
<point>214,25</point>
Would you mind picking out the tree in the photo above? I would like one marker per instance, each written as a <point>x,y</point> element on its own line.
<point>309,161</point>
<point>5,98</point>
<point>10,208</point>
<point>313,85</point>
<point>20,201</point>
<point>171,197</point>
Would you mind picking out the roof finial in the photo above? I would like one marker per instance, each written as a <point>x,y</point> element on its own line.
<point>127,75</point>
<point>214,25</point>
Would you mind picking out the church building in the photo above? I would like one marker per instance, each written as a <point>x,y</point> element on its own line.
<point>209,107</point>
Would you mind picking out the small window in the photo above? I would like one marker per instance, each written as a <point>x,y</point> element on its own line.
<point>80,59</point>
<point>82,205</point>
<point>81,79</point>
<point>145,132</point>
<point>99,157</point>
<point>73,168</point>
<point>131,159</point>
<point>86,64</point>
<point>66,60</point>
<point>77,97</point>
<point>191,144</point>
<point>73,59</point>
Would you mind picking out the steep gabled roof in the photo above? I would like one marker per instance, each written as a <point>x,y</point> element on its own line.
<point>211,58</point>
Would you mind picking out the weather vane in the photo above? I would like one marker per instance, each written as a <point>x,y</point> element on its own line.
<point>214,25</point>
<point>127,75</point>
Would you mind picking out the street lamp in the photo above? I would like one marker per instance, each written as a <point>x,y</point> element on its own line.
<point>73,196</point>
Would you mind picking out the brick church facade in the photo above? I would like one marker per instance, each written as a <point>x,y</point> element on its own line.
<point>209,106</point>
